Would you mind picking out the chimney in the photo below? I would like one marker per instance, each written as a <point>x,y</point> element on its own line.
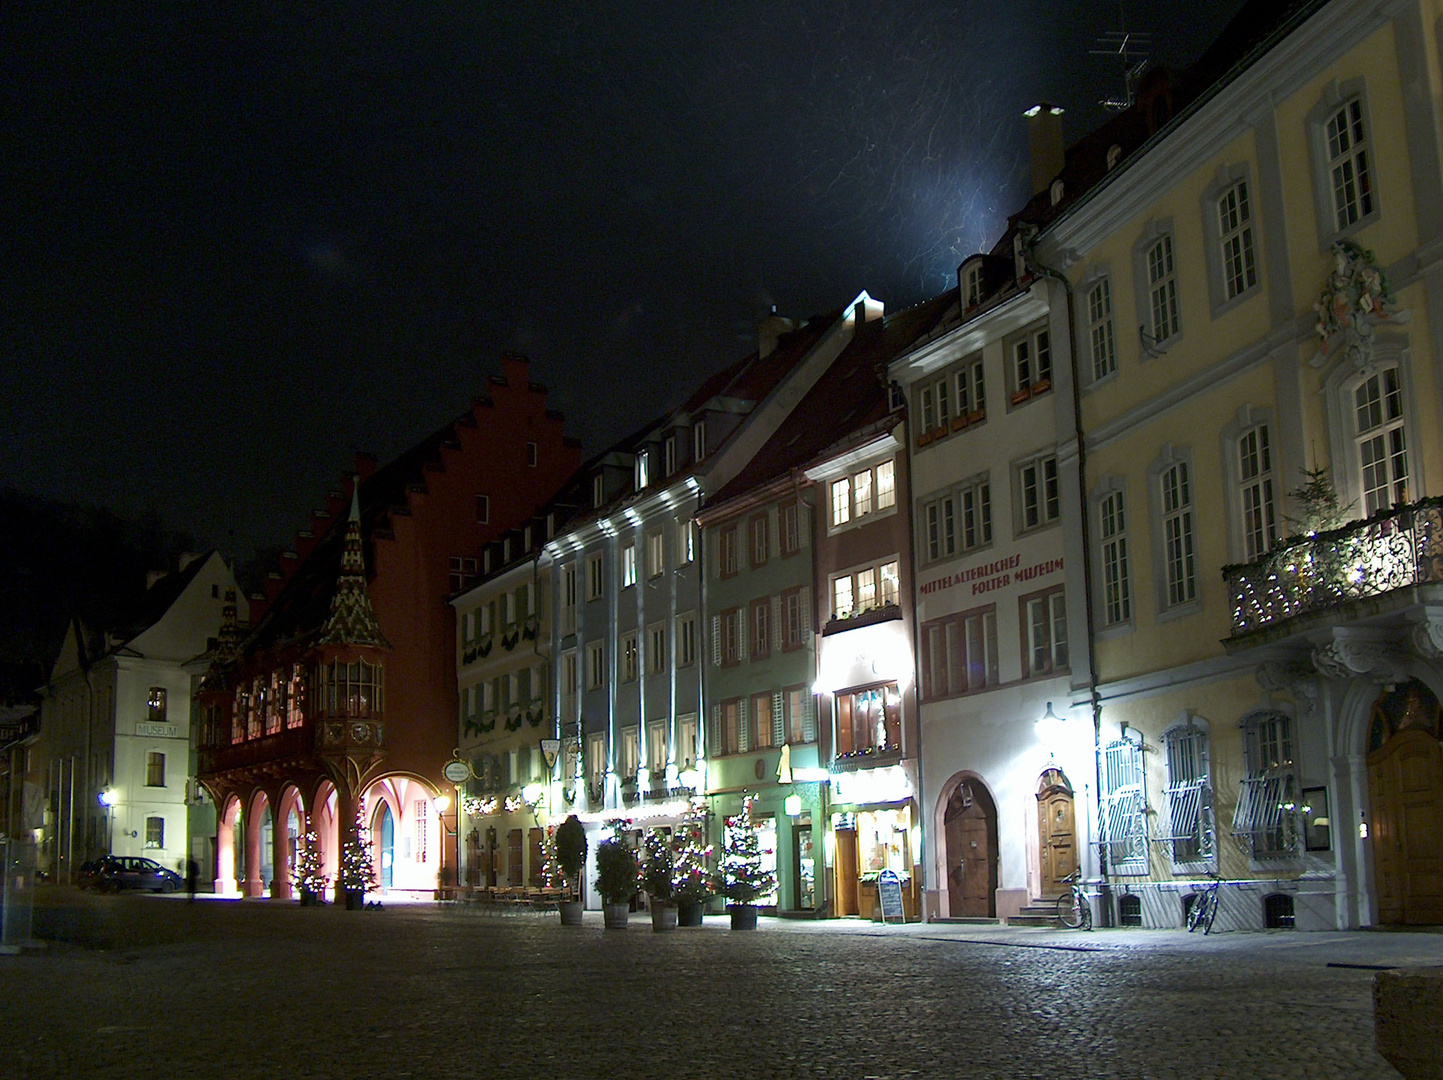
<point>770,331</point>
<point>1044,140</point>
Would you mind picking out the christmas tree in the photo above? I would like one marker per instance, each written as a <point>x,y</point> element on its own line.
<point>357,872</point>
<point>1318,500</point>
<point>691,857</point>
<point>551,875</point>
<point>307,874</point>
<point>743,879</point>
<point>657,866</point>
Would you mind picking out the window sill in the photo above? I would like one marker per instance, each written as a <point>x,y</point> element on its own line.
<point>1179,611</point>
<point>884,613</point>
<point>872,758</point>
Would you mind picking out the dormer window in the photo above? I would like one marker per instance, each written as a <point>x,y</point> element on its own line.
<point>598,490</point>
<point>1056,192</point>
<point>972,286</point>
<point>1114,155</point>
<point>668,455</point>
<point>698,440</point>
<point>526,539</point>
<point>643,469</point>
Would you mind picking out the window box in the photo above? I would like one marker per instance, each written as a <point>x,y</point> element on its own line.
<point>870,617</point>
<point>959,423</point>
<point>938,433</point>
<point>976,417</point>
<point>1021,395</point>
<point>924,438</point>
<point>1041,386</point>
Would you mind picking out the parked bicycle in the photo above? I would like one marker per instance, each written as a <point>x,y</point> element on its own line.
<point>1204,907</point>
<point>1074,910</point>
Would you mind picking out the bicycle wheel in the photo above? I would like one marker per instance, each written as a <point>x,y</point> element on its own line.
<point>1069,910</point>
<point>1211,913</point>
<point>1196,910</point>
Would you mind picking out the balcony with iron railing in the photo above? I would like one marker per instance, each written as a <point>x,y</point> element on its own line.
<point>1394,550</point>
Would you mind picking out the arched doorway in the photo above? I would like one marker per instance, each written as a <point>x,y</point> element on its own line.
<point>266,836</point>
<point>1405,790</point>
<point>1056,833</point>
<point>384,830</point>
<point>970,824</point>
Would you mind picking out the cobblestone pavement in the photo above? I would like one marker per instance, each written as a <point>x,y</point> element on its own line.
<point>260,989</point>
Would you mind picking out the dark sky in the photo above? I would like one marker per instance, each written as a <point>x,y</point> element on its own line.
<point>242,240</point>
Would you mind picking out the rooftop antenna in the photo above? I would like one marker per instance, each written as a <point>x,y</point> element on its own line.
<point>1131,47</point>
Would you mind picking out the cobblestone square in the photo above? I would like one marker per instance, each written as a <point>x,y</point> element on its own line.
<point>257,989</point>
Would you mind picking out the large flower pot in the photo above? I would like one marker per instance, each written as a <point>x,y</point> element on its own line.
<point>689,912</point>
<point>744,916</point>
<point>570,912</point>
<point>663,917</point>
<point>309,899</point>
<point>616,915</point>
<point>355,899</point>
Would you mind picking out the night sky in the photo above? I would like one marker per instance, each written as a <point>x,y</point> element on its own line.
<point>242,240</point>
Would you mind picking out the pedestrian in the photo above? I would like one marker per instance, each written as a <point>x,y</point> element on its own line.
<point>192,875</point>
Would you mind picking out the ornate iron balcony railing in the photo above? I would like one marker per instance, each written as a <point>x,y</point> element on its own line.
<point>1394,549</point>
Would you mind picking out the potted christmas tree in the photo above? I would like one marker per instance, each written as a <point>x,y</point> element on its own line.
<point>358,874</point>
<point>656,876</point>
<point>571,854</point>
<point>691,873</point>
<point>307,875</point>
<point>744,881</point>
<point>616,873</point>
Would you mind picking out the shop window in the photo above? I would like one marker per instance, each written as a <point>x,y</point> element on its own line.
<point>869,721</point>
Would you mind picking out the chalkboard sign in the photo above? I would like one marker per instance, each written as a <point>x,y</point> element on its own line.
<point>889,895</point>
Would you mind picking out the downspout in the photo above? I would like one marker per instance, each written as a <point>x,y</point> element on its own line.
<point>1029,237</point>
<point>824,898</point>
<point>922,815</point>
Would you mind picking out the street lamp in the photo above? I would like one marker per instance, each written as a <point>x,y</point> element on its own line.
<point>108,798</point>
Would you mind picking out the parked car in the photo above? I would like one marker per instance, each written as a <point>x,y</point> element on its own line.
<point>119,872</point>
<point>89,875</point>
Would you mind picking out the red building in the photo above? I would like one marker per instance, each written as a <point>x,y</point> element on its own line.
<point>338,706</point>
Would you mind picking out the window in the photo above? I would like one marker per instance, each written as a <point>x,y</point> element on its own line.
<point>1348,172</point>
<point>939,518</point>
<point>598,490</point>
<point>800,725</point>
<point>727,551</point>
<point>886,485</point>
<point>568,599</point>
<point>698,440</point>
<point>796,610</point>
<point>1045,621</point>
<point>656,648</point>
<point>972,286</point>
<point>761,628</point>
<point>842,597</point>
<point>934,405</point>
<point>569,686</point>
<point>1235,232</point>
<point>1265,817</point>
<point>643,469</point>
<point>655,554</point>
<point>1112,527</point>
<point>841,501</point>
<point>596,757</point>
<point>686,742</point>
<point>686,542</point>
<point>761,539</point>
<point>531,454</point>
<point>729,739</point>
<point>595,581</point>
<point>865,588</point>
<point>791,522</point>
<point>1037,483</point>
<point>154,769</point>
<point>732,642</point>
<point>1175,494</point>
<point>656,755</point>
<point>155,705</point>
<point>483,509</point>
<point>761,734</point>
<point>1124,809</point>
<point>1259,513</point>
<point>959,653</point>
<point>1032,363</point>
<point>1189,793</point>
<point>686,640</point>
<point>354,689</point>
<point>628,566</point>
<point>630,755</point>
<point>1114,155</point>
<point>1160,281</point>
<point>1100,331</point>
<point>869,721</point>
<point>155,832</point>
<point>1381,441</point>
<point>971,391</point>
<point>595,665</point>
<point>628,657</point>
<point>668,455</point>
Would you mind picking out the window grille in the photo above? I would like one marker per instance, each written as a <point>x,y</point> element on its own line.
<point>1124,821</point>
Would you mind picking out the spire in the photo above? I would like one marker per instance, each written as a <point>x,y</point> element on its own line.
<point>352,621</point>
<point>227,645</point>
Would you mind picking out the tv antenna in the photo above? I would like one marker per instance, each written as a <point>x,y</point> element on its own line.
<point>1131,47</point>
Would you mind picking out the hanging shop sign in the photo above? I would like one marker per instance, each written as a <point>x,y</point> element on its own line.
<point>456,771</point>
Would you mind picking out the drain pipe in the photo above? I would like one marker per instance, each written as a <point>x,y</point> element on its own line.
<point>1028,235</point>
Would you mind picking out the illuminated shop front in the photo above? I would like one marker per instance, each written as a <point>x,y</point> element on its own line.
<point>873,826</point>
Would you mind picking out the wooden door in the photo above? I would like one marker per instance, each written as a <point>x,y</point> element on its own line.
<point>1405,783</point>
<point>847,877</point>
<point>1057,839</point>
<point>971,836</point>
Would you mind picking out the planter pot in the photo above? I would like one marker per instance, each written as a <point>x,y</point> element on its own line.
<point>744,916</point>
<point>309,899</point>
<point>663,917</point>
<point>616,915</point>
<point>355,899</point>
<point>570,912</point>
<point>689,912</point>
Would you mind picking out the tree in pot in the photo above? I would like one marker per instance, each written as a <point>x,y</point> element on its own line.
<point>358,873</point>
<point>616,880</point>
<point>571,854</point>
<point>309,881</point>
<point>693,882</point>
<point>656,879</point>
<point>744,881</point>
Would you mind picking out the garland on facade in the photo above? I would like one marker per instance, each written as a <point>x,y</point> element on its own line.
<point>743,879</point>
<point>307,873</point>
<point>358,872</point>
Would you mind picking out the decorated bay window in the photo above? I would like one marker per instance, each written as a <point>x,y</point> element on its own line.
<point>869,720</point>
<point>349,688</point>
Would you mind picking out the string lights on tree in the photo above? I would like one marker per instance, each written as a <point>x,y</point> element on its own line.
<point>744,881</point>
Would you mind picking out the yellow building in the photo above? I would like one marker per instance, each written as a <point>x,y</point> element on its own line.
<point>1275,723</point>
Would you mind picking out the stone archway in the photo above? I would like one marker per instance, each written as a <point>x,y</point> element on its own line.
<point>1405,795</point>
<point>226,867</point>
<point>969,829</point>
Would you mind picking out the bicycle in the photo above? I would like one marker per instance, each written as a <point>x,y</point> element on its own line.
<point>1204,907</point>
<point>1074,910</point>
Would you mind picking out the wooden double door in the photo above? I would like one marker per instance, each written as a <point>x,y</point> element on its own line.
<point>1056,835</point>
<point>971,836</point>
<point>1405,784</point>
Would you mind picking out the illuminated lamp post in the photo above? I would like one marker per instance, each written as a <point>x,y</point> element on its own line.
<point>442,803</point>
<point>108,798</point>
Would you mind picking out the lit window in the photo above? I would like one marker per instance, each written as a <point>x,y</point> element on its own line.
<point>155,832</point>
<point>886,485</point>
<point>155,705</point>
<point>763,721</point>
<point>869,720</point>
<point>1381,441</point>
<point>890,578</point>
<point>686,742</point>
<point>656,749</point>
<point>1162,289</point>
<point>841,501</point>
<point>842,597</point>
<point>628,566</point>
<point>655,554</point>
<point>1099,330</point>
<point>1235,230</point>
<point>643,469</point>
<point>1348,170</point>
<point>862,492</point>
<point>686,542</point>
<point>596,757</point>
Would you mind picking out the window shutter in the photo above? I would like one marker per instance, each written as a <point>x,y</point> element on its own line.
<point>809,719</point>
<point>716,641</point>
<point>744,735</point>
<point>744,633</point>
<point>806,609</point>
<point>804,525</point>
<point>779,730</point>
<point>777,624</point>
<point>714,733</point>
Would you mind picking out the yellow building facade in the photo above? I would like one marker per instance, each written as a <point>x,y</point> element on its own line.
<point>1255,261</point>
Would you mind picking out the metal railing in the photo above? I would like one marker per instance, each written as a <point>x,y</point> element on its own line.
<point>1393,549</point>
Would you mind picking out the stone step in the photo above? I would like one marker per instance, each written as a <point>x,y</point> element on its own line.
<point>968,920</point>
